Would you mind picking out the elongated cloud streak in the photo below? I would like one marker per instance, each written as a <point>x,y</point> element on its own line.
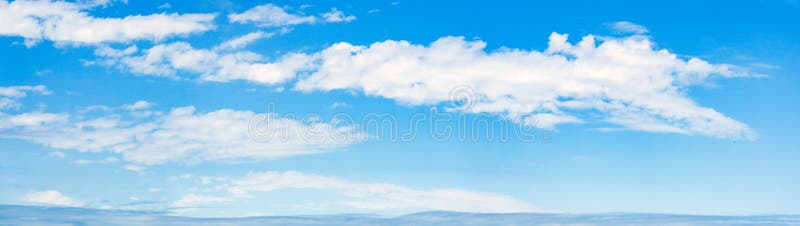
<point>372,196</point>
<point>180,135</point>
<point>68,22</point>
<point>270,15</point>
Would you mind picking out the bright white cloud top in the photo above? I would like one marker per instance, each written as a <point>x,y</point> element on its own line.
<point>626,79</point>
<point>66,22</point>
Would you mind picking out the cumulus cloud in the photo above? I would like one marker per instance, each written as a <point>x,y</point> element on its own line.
<point>626,83</point>
<point>270,15</point>
<point>67,22</point>
<point>336,16</point>
<point>51,197</point>
<point>180,135</point>
<point>376,196</point>
<point>10,95</point>
<point>627,80</point>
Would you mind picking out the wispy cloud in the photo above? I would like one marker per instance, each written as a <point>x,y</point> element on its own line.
<point>628,27</point>
<point>270,15</point>
<point>243,41</point>
<point>337,104</point>
<point>368,196</point>
<point>10,95</point>
<point>180,135</point>
<point>195,200</point>
<point>68,22</point>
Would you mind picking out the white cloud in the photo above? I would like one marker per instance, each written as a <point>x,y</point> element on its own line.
<point>139,105</point>
<point>164,6</point>
<point>194,200</point>
<point>336,16</point>
<point>181,177</point>
<point>628,27</point>
<point>377,196</point>
<point>270,15</point>
<point>549,121</point>
<point>95,3</point>
<point>627,80</point>
<point>10,95</point>
<point>82,161</point>
<point>57,154</point>
<point>242,41</point>
<point>181,135</point>
<point>338,105</point>
<point>67,22</point>
<point>624,81</point>
<point>23,91</point>
<point>106,160</point>
<point>30,119</point>
<point>180,57</point>
<point>51,197</point>
<point>133,167</point>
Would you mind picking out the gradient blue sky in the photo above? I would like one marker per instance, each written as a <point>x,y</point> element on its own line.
<point>584,167</point>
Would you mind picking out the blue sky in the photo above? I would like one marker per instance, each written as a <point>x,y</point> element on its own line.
<point>679,107</point>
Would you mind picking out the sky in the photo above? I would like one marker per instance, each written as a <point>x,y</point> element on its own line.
<point>224,108</point>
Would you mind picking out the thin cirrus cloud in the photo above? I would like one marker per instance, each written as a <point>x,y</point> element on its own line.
<point>67,22</point>
<point>244,40</point>
<point>270,15</point>
<point>628,27</point>
<point>632,84</point>
<point>366,196</point>
<point>148,137</point>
